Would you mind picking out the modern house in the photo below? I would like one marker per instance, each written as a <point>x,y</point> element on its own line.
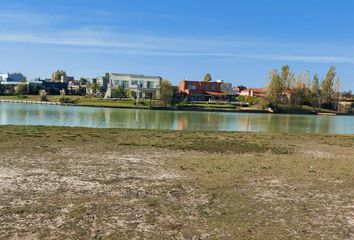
<point>253,92</point>
<point>140,86</point>
<point>204,91</point>
<point>54,87</point>
<point>12,77</point>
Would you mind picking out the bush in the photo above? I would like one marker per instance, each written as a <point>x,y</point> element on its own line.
<point>249,100</point>
<point>43,96</point>
<point>21,89</point>
<point>21,96</point>
<point>185,101</point>
<point>64,99</point>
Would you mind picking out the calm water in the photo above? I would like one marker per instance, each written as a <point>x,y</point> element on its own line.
<point>27,114</point>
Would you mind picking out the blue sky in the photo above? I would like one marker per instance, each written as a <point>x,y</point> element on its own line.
<point>238,41</point>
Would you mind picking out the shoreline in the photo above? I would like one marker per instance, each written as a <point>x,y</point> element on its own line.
<point>178,108</point>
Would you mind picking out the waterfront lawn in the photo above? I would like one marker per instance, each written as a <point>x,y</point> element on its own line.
<point>93,102</point>
<point>77,183</point>
<point>51,98</point>
<point>98,102</point>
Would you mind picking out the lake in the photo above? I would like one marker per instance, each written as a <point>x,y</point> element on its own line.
<point>52,115</point>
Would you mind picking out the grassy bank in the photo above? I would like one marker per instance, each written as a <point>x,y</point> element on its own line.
<point>93,102</point>
<point>76,183</point>
<point>156,104</point>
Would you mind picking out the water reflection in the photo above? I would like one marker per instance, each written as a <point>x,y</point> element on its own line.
<point>27,114</point>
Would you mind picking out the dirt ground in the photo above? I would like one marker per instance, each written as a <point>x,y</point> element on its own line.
<point>62,183</point>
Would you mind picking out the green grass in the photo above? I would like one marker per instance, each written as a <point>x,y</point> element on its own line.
<point>94,102</point>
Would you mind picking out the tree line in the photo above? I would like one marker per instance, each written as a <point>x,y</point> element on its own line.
<point>285,87</point>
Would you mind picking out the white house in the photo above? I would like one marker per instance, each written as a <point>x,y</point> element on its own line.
<point>140,85</point>
<point>12,77</point>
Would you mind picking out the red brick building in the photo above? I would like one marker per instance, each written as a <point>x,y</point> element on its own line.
<point>201,91</point>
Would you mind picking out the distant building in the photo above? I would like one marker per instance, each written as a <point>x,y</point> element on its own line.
<point>204,91</point>
<point>54,87</point>
<point>240,88</point>
<point>65,79</point>
<point>75,88</point>
<point>12,77</point>
<point>227,89</point>
<point>103,81</point>
<point>141,86</point>
<point>253,92</point>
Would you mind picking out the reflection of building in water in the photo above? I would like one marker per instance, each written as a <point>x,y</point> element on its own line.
<point>182,121</point>
<point>244,123</point>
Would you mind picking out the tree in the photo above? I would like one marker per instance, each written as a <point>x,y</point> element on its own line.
<point>83,81</point>
<point>327,86</point>
<point>166,92</point>
<point>57,75</point>
<point>95,87</point>
<point>21,89</point>
<point>287,77</point>
<point>315,90</point>
<point>119,92</point>
<point>298,91</point>
<point>347,94</point>
<point>207,77</point>
<point>336,93</point>
<point>275,87</point>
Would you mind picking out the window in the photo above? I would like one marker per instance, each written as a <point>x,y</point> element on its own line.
<point>116,82</point>
<point>134,82</point>
<point>192,87</point>
<point>125,84</point>
<point>150,84</point>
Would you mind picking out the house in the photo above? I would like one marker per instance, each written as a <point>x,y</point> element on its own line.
<point>253,92</point>
<point>140,86</point>
<point>12,77</point>
<point>54,87</point>
<point>204,91</point>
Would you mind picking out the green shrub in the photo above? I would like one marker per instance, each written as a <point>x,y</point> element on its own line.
<point>185,101</point>
<point>21,96</point>
<point>64,99</point>
<point>249,100</point>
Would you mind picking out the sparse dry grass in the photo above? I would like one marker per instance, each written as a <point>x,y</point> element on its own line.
<point>76,183</point>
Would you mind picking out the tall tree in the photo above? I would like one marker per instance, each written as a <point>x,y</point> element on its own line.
<point>275,87</point>
<point>287,76</point>
<point>327,86</point>
<point>315,90</point>
<point>207,77</point>
<point>298,91</point>
<point>336,93</point>
<point>56,76</point>
<point>166,92</point>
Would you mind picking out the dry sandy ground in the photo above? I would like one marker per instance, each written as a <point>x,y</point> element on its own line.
<point>80,192</point>
<point>91,190</point>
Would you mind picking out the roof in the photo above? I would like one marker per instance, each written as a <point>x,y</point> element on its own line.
<point>134,75</point>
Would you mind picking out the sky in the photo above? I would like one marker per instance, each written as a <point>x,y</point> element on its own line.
<point>236,41</point>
